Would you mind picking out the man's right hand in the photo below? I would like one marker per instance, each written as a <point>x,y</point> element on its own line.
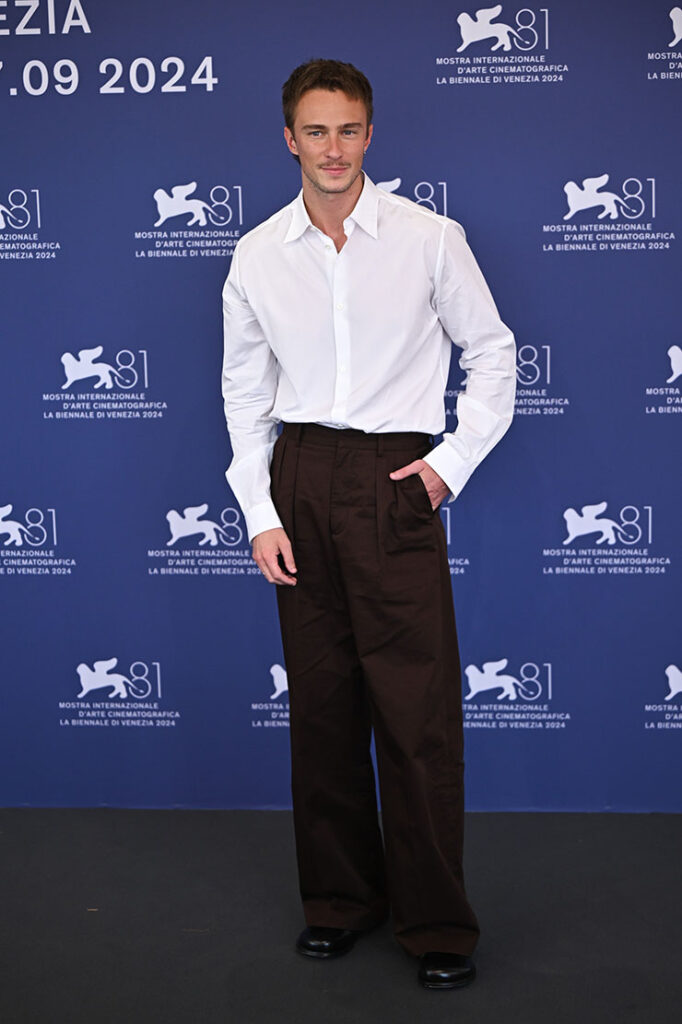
<point>267,547</point>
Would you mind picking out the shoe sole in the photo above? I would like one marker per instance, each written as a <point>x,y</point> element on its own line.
<point>315,955</point>
<point>446,984</point>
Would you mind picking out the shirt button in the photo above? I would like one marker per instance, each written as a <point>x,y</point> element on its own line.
<point>339,305</point>
<point>327,246</point>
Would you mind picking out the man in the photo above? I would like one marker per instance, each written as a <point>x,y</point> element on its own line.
<point>340,313</point>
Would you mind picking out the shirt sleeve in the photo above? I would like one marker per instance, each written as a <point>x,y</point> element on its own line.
<point>249,384</point>
<point>469,316</point>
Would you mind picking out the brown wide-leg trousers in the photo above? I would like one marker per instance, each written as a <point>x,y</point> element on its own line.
<point>370,643</point>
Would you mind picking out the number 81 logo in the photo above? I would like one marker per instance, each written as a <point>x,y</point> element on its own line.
<point>20,208</point>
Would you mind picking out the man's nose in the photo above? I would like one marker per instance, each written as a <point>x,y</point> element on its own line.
<point>333,146</point>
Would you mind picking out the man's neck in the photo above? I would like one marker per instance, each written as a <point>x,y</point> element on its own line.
<point>328,210</point>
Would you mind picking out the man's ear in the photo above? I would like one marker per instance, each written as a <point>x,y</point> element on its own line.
<point>290,141</point>
<point>369,137</point>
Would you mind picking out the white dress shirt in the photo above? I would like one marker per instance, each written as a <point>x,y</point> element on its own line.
<point>359,338</point>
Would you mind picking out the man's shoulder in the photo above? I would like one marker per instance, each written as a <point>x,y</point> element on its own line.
<point>416,215</point>
<point>272,229</point>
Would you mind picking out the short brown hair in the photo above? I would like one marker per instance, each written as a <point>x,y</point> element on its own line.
<point>325,74</point>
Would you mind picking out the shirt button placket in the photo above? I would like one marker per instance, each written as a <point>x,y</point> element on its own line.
<point>341,337</point>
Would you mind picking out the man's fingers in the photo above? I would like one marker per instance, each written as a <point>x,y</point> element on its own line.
<point>268,564</point>
<point>412,467</point>
<point>272,572</point>
<point>267,548</point>
<point>278,575</point>
<point>262,565</point>
<point>436,488</point>
<point>287,554</point>
<point>262,560</point>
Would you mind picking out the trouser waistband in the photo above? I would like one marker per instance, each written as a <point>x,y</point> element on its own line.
<point>315,433</point>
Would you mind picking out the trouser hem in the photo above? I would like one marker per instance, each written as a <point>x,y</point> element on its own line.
<point>438,940</point>
<point>320,916</point>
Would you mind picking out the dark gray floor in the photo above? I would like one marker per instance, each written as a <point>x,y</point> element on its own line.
<point>115,917</point>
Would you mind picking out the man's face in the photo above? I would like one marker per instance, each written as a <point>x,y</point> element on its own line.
<point>330,137</point>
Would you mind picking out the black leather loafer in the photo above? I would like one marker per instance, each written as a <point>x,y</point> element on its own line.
<point>325,943</point>
<point>446,970</point>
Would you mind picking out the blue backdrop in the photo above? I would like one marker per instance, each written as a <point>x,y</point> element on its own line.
<point>141,660</point>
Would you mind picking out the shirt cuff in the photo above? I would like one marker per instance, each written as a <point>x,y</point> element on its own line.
<point>450,466</point>
<point>261,517</point>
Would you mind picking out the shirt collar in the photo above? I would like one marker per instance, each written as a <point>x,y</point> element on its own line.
<point>364,213</point>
